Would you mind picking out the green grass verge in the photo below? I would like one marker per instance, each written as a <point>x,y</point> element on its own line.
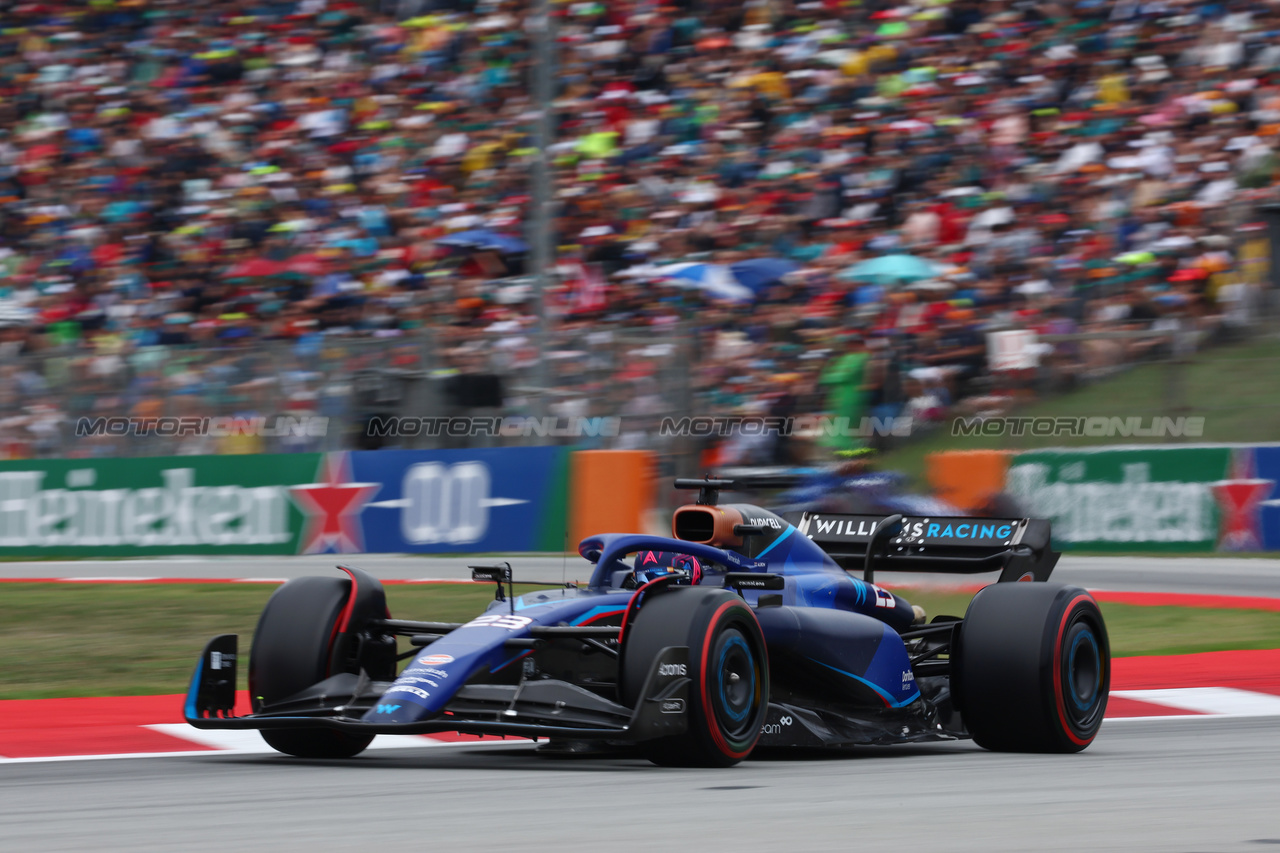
<point>1233,388</point>
<point>61,639</point>
<point>64,640</point>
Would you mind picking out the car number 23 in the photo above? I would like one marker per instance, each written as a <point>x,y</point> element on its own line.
<point>499,620</point>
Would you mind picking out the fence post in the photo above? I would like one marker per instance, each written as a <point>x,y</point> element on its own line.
<point>686,461</point>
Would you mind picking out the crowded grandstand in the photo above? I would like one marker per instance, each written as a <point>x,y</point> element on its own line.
<point>773,207</point>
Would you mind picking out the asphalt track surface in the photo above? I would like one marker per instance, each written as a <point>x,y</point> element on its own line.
<point>1178,785</point>
<point>1185,785</point>
<point>1245,576</point>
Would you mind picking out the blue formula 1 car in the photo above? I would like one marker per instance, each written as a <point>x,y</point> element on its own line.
<point>744,631</point>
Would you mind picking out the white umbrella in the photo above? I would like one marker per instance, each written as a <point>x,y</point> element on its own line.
<point>715,279</point>
<point>641,271</point>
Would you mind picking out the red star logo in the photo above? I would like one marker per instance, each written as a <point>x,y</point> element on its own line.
<point>1239,498</point>
<point>333,506</point>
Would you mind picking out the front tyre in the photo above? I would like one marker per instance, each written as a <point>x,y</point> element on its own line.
<point>728,667</point>
<point>1033,669</point>
<point>292,650</point>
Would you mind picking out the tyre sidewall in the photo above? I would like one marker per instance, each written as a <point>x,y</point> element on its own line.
<point>1010,675</point>
<point>730,621</point>
<point>712,623</point>
<point>1075,730</point>
<point>291,651</point>
<point>292,642</point>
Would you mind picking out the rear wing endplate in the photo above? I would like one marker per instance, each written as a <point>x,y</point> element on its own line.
<point>1019,548</point>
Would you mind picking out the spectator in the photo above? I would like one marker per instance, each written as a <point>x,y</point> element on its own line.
<point>279,177</point>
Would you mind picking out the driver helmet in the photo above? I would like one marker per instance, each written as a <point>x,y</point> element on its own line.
<point>651,565</point>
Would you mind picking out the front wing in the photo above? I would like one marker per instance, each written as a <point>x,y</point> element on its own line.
<point>533,709</point>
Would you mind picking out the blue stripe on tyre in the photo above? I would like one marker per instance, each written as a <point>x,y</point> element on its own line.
<point>724,699</point>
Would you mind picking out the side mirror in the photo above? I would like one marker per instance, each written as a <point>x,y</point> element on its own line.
<point>496,574</point>
<point>885,530</point>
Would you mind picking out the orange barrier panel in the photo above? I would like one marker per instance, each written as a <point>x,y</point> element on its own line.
<point>610,491</point>
<point>967,478</point>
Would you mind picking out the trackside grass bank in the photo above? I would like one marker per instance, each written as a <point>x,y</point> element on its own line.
<point>67,640</point>
<point>1231,387</point>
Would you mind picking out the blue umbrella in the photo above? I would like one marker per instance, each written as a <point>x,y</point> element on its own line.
<point>892,268</point>
<point>485,240</point>
<point>758,273</point>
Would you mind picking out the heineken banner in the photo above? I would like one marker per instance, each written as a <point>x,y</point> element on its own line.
<point>384,501</point>
<point>1134,498</point>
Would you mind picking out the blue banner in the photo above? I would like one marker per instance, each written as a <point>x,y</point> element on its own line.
<point>441,501</point>
<point>1267,468</point>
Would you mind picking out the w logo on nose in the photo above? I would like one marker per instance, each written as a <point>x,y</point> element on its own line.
<point>387,709</point>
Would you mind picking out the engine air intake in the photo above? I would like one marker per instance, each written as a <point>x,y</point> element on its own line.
<point>694,524</point>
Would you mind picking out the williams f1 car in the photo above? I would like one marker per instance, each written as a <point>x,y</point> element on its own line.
<point>743,631</point>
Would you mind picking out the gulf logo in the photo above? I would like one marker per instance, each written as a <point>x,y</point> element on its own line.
<point>435,660</point>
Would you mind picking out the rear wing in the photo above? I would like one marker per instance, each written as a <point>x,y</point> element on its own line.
<point>1016,547</point>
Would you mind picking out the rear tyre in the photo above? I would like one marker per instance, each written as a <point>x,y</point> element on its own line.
<point>1033,668</point>
<point>728,667</point>
<point>291,651</point>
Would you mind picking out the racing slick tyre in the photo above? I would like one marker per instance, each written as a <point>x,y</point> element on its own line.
<point>1033,668</point>
<point>728,667</point>
<point>291,652</point>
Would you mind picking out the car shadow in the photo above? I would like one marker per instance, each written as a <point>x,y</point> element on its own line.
<point>500,758</point>
<point>527,757</point>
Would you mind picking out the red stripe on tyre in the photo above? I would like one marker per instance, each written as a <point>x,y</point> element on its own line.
<point>707,642</point>
<point>1059,697</point>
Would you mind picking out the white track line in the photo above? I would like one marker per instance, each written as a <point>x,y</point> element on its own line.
<point>108,578</point>
<point>45,759</point>
<point>237,740</point>
<point>248,740</point>
<point>1209,701</point>
<point>255,748</point>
